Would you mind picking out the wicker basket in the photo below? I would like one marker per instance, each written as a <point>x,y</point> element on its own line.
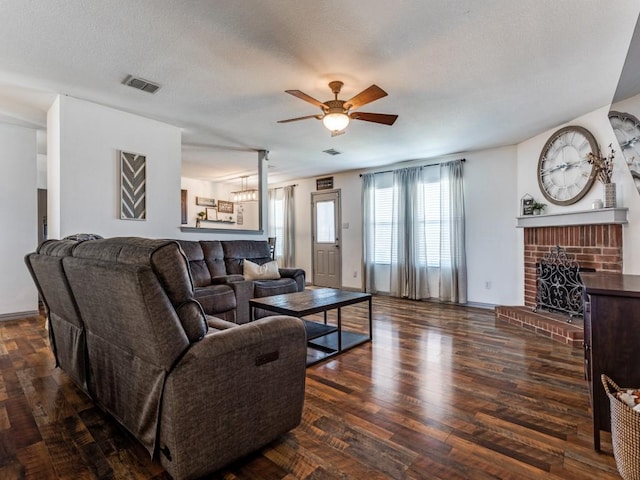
<point>625,433</point>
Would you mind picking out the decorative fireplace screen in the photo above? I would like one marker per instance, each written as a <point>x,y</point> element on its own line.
<point>558,282</point>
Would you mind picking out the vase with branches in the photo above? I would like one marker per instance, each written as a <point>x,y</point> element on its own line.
<point>604,170</point>
<point>603,165</point>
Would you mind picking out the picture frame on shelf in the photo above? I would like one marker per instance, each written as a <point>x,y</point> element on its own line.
<point>212,214</point>
<point>526,205</point>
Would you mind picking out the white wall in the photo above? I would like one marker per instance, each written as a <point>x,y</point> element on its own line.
<point>41,165</point>
<point>83,168</point>
<point>597,122</point>
<point>491,207</point>
<point>491,203</point>
<point>18,296</point>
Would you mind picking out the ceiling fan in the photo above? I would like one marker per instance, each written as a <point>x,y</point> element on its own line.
<point>336,113</point>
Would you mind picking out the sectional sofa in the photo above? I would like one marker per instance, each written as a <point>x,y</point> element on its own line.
<point>217,269</point>
<point>197,391</point>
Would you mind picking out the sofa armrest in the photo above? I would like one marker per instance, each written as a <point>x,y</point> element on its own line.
<point>233,392</point>
<point>297,274</point>
<point>218,323</point>
<point>244,292</point>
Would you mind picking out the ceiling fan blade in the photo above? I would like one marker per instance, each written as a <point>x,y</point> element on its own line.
<point>374,117</point>
<point>372,93</point>
<point>299,118</point>
<point>306,98</point>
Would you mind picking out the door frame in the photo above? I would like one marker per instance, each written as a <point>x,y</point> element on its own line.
<point>338,193</point>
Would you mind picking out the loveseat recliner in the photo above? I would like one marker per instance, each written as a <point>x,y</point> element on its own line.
<point>195,390</point>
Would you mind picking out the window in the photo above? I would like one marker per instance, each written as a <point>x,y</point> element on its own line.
<point>277,227</point>
<point>434,231</point>
<point>325,222</point>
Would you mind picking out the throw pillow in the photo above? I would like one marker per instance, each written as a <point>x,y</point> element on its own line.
<point>267,271</point>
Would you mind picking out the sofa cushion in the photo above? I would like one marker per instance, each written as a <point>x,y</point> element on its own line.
<point>236,251</point>
<point>266,271</point>
<point>214,256</point>
<point>216,298</point>
<point>266,288</point>
<point>197,264</point>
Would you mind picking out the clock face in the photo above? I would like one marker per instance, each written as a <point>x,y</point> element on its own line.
<point>564,173</point>
<point>627,130</point>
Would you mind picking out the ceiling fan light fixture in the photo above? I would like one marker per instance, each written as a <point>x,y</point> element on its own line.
<point>336,121</point>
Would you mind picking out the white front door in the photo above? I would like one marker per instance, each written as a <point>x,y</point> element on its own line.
<point>327,261</point>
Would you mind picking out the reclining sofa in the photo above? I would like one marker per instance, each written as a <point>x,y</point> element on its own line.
<point>197,391</point>
<point>217,268</point>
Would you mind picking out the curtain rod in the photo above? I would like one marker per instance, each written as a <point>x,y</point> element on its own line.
<point>421,166</point>
<point>294,185</point>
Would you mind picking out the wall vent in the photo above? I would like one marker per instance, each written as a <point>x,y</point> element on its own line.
<point>141,84</point>
<point>332,151</point>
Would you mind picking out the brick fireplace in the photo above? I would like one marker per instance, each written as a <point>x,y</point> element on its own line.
<point>593,237</point>
<point>594,246</point>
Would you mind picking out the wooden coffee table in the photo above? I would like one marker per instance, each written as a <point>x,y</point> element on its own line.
<point>323,340</point>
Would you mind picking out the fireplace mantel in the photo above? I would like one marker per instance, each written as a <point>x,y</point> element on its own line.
<point>601,216</point>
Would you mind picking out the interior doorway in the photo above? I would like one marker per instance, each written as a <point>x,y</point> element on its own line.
<point>327,259</point>
<point>42,215</point>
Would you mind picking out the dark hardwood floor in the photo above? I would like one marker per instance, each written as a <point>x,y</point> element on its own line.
<point>443,392</point>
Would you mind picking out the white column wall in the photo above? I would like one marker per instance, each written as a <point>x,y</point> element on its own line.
<point>18,217</point>
<point>83,168</point>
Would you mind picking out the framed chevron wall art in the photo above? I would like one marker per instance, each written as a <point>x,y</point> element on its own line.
<point>133,186</point>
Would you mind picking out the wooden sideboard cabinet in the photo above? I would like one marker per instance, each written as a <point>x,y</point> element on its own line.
<point>611,339</point>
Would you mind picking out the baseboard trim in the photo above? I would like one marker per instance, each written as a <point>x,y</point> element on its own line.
<point>346,289</point>
<point>18,315</point>
<point>487,306</point>
<point>351,289</point>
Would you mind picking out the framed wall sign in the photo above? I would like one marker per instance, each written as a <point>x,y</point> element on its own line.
<point>225,207</point>
<point>205,202</point>
<point>325,183</point>
<point>133,186</point>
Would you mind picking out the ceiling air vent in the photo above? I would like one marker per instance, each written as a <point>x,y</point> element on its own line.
<point>141,84</point>
<point>332,151</point>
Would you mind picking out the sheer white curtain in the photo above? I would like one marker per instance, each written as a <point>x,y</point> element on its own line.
<point>281,215</point>
<point>413,233</point>
<point>368,232</point>
<point>453,269</point>
<point>408,272</point>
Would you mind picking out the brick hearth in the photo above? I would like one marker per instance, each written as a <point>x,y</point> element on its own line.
<point>552,325</point>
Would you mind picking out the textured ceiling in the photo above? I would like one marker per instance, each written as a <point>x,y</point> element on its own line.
<point>461,75</point>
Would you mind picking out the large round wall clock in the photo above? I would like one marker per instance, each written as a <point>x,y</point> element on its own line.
<point>564,173</point>
<point>627,130</point>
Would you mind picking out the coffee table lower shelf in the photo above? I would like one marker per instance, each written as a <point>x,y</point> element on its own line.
<point>322,341</point>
